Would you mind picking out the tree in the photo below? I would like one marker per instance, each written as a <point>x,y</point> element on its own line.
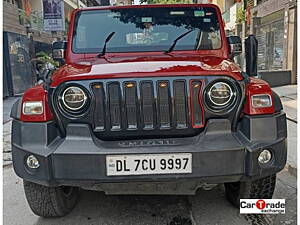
<point>240,16</point>
<point>166,1</point>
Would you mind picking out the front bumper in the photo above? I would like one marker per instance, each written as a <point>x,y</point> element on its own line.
<point>219,155</point>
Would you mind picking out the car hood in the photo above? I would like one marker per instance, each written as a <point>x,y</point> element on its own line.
<point>113,67</point>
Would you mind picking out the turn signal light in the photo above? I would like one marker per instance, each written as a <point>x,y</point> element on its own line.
<point>259,100</point>
<point>33,108</point>
<point>129,85</point>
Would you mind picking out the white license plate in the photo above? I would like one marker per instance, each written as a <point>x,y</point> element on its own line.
<point>119,165</point>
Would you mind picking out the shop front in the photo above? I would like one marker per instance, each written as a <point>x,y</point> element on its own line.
<point>18,70</point>
<point>271,26</point>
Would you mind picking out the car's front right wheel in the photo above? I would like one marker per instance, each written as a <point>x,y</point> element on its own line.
<point>257,189</point>
<point>50,201</point>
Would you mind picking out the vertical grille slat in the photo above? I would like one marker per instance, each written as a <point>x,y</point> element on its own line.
<point>196,109</point>
<point>180,105</point>
<point>99,120</point>
<point>131,104</point>
<point>164,104</point>
<point>115,105</point>
<point>147,105</point>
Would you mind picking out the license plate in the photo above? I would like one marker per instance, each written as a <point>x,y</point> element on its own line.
<point>142,164</point>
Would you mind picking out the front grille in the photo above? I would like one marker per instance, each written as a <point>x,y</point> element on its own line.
<point>170,106</point>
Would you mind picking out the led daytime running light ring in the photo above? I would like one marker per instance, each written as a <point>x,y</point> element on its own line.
<point>229,99</point>
<point>71,108</point>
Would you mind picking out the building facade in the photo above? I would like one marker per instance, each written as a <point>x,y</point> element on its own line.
<point>24,36</point>
<point>274,24</point>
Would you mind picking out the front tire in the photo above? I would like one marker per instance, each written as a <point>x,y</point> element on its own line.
<point>257,189</point>
<point>50,201</point>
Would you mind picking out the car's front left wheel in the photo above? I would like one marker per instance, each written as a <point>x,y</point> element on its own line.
<point>50,201</point>
<point>262,188</point>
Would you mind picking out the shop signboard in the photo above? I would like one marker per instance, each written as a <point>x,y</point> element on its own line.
<point>53,15</point>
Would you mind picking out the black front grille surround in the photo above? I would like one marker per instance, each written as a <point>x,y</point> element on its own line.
<point>144,107</point>
<point>156,106</point>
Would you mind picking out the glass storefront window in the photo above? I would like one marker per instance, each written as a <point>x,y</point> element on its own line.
<point>270,46</point>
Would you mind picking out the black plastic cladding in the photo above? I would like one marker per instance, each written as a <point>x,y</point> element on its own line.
<point>88,117</point>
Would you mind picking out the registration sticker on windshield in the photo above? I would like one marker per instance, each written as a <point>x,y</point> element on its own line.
<point>199,13</point>
<point>177,13</point>
<point>146,19</point>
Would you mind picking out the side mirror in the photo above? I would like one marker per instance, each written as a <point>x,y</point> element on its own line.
<point>58,51</point>
<point>235,46</point>
<point>251,55</point>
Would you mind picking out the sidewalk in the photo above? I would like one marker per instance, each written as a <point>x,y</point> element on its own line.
<point>288,95</point>
<point>7,105</point>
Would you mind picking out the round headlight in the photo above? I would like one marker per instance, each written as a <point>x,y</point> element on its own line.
<point>74,98</point>
<point>220,94</point>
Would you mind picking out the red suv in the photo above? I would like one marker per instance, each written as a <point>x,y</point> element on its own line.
<point>148,100</point>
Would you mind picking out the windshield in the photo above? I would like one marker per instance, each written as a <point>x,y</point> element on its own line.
<point>147,29</point>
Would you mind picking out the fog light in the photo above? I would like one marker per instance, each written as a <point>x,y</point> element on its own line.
<point>32,162</point>
<point>265,156</point>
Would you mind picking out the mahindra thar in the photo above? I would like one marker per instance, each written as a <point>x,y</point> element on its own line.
<point>148,100</point>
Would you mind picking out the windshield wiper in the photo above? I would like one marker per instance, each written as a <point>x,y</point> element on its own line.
<point>177,39</point>
<point>105,42</point>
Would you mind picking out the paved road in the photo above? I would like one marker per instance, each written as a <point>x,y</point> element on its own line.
<point>205,208</point>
